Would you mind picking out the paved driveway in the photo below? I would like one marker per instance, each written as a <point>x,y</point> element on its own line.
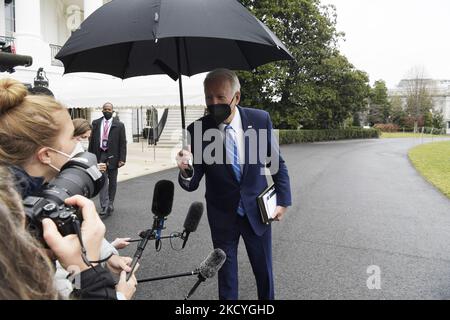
<point>356,204</point>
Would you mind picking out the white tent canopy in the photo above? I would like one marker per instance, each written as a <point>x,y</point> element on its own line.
<point>93,90</point>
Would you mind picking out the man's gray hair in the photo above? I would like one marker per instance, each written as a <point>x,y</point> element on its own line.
<point>227,74</point>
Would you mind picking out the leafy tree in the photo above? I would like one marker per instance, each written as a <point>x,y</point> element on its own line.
<point>398,114</point>
<point>428,119</point>
<point>380,110</point>
<point>438,120</point>
<point>320,89</point>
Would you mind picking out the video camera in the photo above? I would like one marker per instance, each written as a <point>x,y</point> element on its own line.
<point>79,176</point>
<point>9,60</point>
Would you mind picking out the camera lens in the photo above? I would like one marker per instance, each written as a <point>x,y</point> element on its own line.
<point>79,176</point>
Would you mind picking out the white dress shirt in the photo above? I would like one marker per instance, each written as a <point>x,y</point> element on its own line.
<point>236,124</point>
<point>101,129</point>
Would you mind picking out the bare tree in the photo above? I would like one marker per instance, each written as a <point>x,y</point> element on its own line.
<point>419,90</point>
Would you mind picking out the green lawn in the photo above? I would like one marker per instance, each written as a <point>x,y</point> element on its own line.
<point>432,160</point>
<point>405,135</point>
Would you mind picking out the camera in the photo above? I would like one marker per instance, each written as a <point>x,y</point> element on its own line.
<point>79,176</point>
<point>9,60</point>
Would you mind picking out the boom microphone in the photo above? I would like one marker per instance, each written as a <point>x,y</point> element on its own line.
<point>10,60</point>
<point>208,268</point>
<point>161,207</point>
<point>163,198</point>
<point>192,220</point>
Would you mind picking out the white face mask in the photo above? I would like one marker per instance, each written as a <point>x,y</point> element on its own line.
<point>78,149</point>
<point>85,144</point>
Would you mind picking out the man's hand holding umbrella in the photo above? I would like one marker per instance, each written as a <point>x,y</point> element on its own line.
<point>184,162</point>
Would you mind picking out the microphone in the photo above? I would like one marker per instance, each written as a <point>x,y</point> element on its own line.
<point>161,208</point>
<point>208,268</point>
<point>163,198</point>
<point>192,220</point>
<point>11,60</point>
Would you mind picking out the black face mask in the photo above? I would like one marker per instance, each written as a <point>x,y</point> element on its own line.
<point>107,115</point>
<point>220,112</point>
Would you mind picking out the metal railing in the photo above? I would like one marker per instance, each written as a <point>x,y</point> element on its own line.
<point>54,49</point>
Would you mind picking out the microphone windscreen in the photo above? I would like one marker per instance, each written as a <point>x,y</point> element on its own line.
<point>193,217</point>
<point>163,198</point>
<point>212,263</point>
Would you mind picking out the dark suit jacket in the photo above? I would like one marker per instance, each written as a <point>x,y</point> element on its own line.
<point>117,142</point>
<point>223,191</point>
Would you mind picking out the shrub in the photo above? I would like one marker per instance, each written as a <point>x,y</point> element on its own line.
<point>387,127</point>
<point>300,136</point>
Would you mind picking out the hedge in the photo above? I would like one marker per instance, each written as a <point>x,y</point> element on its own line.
<point>299,136</point>
<point>387,127</point>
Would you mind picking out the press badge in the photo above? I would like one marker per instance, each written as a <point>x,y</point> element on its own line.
<point>104,144</point>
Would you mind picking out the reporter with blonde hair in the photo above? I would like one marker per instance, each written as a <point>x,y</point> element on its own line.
<point>36,140</point>
<point>26,272</point>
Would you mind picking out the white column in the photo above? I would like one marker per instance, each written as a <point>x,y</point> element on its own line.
<point>28,32</point>
<point>90,6</point>
<point>2,18</point>
<point>28,17</point>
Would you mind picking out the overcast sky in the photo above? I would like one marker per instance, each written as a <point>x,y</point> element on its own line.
<point>387,38</point>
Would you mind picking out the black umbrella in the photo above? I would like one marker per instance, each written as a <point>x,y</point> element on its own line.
<point>128,38</point>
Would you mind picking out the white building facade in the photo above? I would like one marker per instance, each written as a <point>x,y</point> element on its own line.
<point>440,94</point>
<point>39,28</point>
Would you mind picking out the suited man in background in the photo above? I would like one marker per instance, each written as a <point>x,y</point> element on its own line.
<point>108,142</point>
<point>232,187</point>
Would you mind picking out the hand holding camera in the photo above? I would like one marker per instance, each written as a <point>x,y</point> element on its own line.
<point>68,248</point>
<point>55,217</point>
<point>79,176</point>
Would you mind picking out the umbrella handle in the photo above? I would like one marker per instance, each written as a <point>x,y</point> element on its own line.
<point>180,84</point>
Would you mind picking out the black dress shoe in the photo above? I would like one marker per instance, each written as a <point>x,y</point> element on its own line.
<point>104,212</point>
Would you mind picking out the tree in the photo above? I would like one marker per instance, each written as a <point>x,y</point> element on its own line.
<point>398,114</point>
<point>438,120</point>
<point>342,92</point>
<point>320,88</point>
<point>380,110</point>
<point>418,91</point>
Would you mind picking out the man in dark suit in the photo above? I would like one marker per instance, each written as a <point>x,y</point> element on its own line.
<point>234,179</point>
<point>108,142</point>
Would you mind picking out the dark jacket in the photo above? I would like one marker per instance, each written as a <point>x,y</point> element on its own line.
<point>96,283</point>
<point>26,185</point>
<point>223,191</point>
<point>117,142</point>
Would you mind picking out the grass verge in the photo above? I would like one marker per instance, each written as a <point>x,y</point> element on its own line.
<point>432,160</point>
<point>388,135</point>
